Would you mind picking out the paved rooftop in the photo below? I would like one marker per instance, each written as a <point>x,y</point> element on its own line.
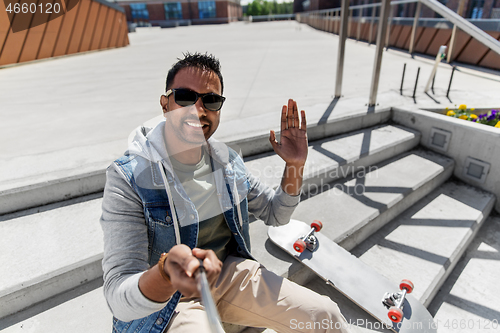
<point>76,112</point>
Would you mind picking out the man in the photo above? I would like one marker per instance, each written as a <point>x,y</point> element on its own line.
<point>178,196</point>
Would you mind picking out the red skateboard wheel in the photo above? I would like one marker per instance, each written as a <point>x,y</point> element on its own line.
<point>317,225</point>
<point>299,245</point>
<point>406,284</point>
<point>395,314</point>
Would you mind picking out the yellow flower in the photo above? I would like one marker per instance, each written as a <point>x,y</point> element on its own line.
<point>497,125</point>
<point>462,107</point>
<point>473,116</point>
<point>464,116</point>
<point>450,113</point>
<point>446,108</point>
<point>472,109</point>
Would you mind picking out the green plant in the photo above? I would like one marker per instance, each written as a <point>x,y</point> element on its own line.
<point>492,118</point>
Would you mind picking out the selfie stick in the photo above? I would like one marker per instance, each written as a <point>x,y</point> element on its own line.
<point>207,301</point>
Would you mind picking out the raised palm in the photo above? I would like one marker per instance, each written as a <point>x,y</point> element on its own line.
<point>292,147</point>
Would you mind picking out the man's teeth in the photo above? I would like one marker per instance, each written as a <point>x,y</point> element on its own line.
<point>194,124</point>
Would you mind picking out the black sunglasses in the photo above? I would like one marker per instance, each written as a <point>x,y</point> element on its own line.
<point>187,97</point>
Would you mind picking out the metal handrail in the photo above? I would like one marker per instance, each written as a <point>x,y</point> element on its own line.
<point>382,36</point>
<point>463,24</point>
<point>439,8</point>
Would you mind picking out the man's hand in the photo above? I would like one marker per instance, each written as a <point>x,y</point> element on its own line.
<point>182,263</point>
<point>292,147</point>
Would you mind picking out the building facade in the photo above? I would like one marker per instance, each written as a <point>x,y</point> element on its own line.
<point>180,12</point>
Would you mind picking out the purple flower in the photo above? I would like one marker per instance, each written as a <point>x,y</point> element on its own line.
<point>491,117</point>
<point>474,120</point>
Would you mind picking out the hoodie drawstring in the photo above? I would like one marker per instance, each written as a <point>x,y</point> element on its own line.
<point>171,203</point>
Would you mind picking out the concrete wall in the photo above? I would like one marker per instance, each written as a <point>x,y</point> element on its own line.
<point>87,25</point>
<point>477,141</point>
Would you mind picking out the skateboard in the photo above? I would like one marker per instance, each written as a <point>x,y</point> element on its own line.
<point>381,298</point>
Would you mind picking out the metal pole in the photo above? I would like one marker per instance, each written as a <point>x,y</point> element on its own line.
<point>389,29</point>
<point>374,10</point>
<point>460,10</point>
<point>451,79</point>
<point>341,53</point>
<point>439,56</point>
<point>359,24</point>
<point>402,79</point>
<point>415,25</point>
<point>349,24</point>
<point>452,44</point>
<point>382,30</point>
<point>416,82</point>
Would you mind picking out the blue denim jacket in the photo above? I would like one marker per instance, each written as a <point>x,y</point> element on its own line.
<point>145,178</point>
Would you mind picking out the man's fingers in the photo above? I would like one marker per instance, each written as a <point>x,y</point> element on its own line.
<point>295,115</point>
<point>303,123</point>
<point>289,115</point>
<point>283,118</point>
<point>191,265</point>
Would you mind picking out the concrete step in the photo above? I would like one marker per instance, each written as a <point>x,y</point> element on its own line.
<point>62,246</point>
<point>425,243</point>
<point>338,157</point>
<point>83,309</point>
<point>353,209</point>
<point>468,300</point>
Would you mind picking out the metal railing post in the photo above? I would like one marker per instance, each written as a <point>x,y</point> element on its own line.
<point>414,29</point>
<point>349,24</point>
<point>389,28</point>
<point>344,13</point>
<point>453,38</point>
<point>382,30</point>
<point>331,21</point>
<point>360,16</point>
<point>337,22</point>
<point>374,10</point>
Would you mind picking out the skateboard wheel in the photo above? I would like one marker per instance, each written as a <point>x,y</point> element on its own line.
<point>406,284</point>
<point>395,314</point>
<point>299,245</point>
<point>317,225</point>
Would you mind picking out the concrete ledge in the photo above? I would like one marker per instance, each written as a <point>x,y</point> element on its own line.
<point>466,140</point>
<point>425,243</point>
<point>40,194</point>
<point>55,250</point>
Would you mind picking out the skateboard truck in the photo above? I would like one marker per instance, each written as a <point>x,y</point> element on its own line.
<point>394,301</point>
<point>309,241</point>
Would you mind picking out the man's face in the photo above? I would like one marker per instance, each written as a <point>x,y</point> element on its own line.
<point>193,124</point>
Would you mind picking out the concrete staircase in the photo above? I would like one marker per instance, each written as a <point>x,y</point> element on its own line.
<point>379,195</point>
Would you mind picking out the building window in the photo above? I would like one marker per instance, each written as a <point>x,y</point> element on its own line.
<point>206,9</point>
<point>173,10</point>
<point>477,9</point>
<point>139,12</point>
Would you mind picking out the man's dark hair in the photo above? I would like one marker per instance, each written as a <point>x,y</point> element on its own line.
<point>198,60</point>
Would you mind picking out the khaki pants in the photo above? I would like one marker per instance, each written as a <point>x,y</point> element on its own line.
<point>246,293</point>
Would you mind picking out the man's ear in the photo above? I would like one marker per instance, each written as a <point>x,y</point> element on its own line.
<point>164,103</point>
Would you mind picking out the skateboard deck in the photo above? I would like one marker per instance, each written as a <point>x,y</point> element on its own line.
<point>353,278</point>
